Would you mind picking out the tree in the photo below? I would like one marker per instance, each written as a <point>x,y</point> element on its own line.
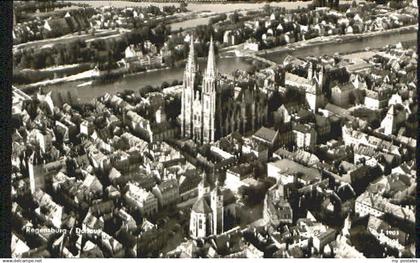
<point>183,6</point>
<point>234,18</point>
<point>49,61</point>
<point>252,69</point>
<point>26,61</point>
<point>164,85</point>
<point>267,9</point>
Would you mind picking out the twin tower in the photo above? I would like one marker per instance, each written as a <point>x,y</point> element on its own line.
<point>198,107</point>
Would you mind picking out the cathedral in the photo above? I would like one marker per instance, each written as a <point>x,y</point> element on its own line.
<point>216,108</point>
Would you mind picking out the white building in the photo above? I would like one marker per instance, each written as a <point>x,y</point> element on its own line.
<point>340,94</point>
<point>286,171</point>
<point>305,136</point>
<point>145,201</point>
<point>207,219</point>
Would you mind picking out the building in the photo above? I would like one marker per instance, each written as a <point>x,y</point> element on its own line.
<point>276,209</point>
<point>321,239</point>
<point>229,38</point>
<point>305,136</point>
<point>340,94</point>
<point>86,128</point>
<point>256,148</point>
<point>133,51</point>
<point>392,120</point>
<point>386,234</point>
<point>207,214</point>
<point>236,175</point>
<point>214,112</point>
<point>18,246</point>
<point>36,172</point>
<point>252,45</point>
<point>376,99</point>
<point>141,199</point>
<point>366,155</point>
<point>266,136</point>
<point>167,192</point>
<point>323,126</point>
<point>285,137</point>
<point>288,171</point>
<point>358,81</point>
<point>48,209</point>
<point>299,156</point>
<point>369,204</point>
<point>163,153</point>
<point>312,86</point>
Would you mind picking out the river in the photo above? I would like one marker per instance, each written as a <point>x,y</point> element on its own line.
<point>191,23</point>
<point>225,65</point>
<point>137,81</point>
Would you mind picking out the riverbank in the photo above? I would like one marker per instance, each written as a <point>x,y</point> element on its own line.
<point>91,76</point>
<point>336,39</point>
<point>44,43</point>
<point>85,75</point>
<point>29,76</point>
<point>353,37</point>
<point>194,7</point>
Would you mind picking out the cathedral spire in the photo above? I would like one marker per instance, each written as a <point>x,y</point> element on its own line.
<point>191,64</point>
<point>211,61</point>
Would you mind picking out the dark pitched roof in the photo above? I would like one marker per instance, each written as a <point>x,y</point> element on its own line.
<point>102,208</point>
<point>191,181</point>
<point>125,237</point>
<point>266,134</point>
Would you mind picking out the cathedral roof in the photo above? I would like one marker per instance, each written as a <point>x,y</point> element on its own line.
<point>201,206</point>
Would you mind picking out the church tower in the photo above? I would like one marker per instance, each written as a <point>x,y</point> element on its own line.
<point>216,205</point>
<point>208,97</point>
<point>188,93</point>
<point>314,96</point>
<point>389,122</point>
<point>310,71</point>
<point>321,78</point>
<point>36,175</point>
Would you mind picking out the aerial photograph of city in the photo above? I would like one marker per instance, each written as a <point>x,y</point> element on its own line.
<point>214,129</point>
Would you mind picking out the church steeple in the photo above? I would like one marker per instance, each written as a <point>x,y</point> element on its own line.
<point>310,71</point>
<point>188,93</point>
<point>211,61</point>
<point>191,63</point>
<point>208,93</point>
